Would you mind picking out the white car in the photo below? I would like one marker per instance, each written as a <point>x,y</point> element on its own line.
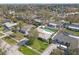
<point>62,46</point>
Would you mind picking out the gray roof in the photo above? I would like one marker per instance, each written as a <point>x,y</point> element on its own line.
<point>61,36</point>
<point>73,26</point>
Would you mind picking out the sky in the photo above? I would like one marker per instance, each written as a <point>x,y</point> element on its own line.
<point>38,1</point>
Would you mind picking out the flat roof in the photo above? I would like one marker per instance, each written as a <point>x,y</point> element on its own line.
<point>10,24</point>
<point>53,24</point>
<point>73,26</point>
<point>61,36</point>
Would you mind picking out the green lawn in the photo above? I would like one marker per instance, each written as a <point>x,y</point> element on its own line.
<point>39,45</point>
<point>72,32</point>
<point>27,51</point>
<point>1,28</point>
<point>9,40</point>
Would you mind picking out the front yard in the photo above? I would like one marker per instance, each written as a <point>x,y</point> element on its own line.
<point>25,50</point>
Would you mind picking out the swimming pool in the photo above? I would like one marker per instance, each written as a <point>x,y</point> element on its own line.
<point>49,30</point>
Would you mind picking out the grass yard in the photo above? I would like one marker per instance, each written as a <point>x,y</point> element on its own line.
<point>27,51</point>
<point>39,45</point>
<point>72,32</point>
<point>9,40</point>
<point>1,28</point>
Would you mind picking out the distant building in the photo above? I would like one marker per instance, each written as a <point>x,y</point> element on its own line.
<point>9,25</point>
<point>52,25</point>
<point>37,22</point>
<point>6,20</point>
<point>11,12</point>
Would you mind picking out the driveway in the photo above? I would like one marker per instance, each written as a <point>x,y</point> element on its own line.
<point>50,47</point>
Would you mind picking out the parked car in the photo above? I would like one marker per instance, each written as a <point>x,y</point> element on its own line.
<point>63,47</point>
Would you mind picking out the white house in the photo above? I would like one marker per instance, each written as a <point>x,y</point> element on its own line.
<point>9,25</point>
<point>23,41</point>
<point>73,27</point>
<point>52,25</point>
<point>43,33</point>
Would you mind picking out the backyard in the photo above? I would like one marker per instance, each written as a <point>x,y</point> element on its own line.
<point>72,32</point>
<point>9,40</point>
<point>25,50</point>
<point>39,45</point>
<point>18,36</point>
<point>1,28</point>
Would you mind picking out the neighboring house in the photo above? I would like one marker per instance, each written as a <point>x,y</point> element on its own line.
<point>37,22</point>
<point>52,25</point>
<point>72,27</point>
<point>25,30</point>
<point>9,25</point>
<point>6,20</point>
<point>11,12</point>
<point>44,33</point>
<point>65,39</point>
<point>20,17</point>
<point>23,41</point>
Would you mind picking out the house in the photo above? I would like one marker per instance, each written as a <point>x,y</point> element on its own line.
<point>9,25</point>
<point>11,12</point>
<point>6,20</point>
<point>66,40</point>
<point>44,33</point>
<point>37,22</point>
<point>25,30</point>
<point>52,25</point>
<point>72,27</point>
<point>23,41</point>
